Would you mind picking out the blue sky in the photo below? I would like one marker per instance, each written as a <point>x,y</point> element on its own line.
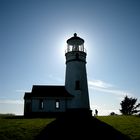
<point>33,36</point>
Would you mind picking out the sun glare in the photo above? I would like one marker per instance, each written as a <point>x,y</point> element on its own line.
<point>62,44</point>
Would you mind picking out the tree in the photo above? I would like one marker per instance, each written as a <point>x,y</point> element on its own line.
<point>128,106</point>
<point>113,114</point>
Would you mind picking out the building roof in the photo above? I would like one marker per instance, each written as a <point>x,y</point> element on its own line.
<point>27,95</point>
<point>47,91</point>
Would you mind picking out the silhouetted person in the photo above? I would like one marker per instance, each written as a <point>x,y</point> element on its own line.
<point>96,112</point>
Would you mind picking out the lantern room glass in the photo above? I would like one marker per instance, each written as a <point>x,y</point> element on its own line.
<point>71,48</point>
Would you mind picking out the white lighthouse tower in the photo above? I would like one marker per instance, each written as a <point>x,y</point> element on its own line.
<point>76,75</point>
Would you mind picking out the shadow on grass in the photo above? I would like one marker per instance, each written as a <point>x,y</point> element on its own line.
<point>80,128</point>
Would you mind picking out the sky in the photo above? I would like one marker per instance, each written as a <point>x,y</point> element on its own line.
<point>33,35</point>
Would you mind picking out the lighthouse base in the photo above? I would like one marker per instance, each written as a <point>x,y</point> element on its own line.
<point>82,112</point>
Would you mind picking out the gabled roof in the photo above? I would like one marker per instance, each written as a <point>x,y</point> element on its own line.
<point>48,91</point>
<point>27,95</point>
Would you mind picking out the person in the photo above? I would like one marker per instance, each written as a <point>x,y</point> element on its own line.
<point>96,112</point>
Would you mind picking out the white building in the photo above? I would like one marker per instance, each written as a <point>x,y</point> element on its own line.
<point>73,98</point>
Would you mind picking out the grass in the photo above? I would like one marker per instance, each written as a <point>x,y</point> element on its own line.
<point>12,128</point>
<point>128,125</point>
<point>21,129</point>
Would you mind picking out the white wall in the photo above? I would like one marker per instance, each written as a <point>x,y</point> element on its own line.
<point>48,105</point>
<point>76,71</point>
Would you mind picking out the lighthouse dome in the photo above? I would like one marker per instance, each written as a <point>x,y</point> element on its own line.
<point>75,40</point>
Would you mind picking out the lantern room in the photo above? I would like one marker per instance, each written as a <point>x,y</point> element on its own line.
<point>75,43</point>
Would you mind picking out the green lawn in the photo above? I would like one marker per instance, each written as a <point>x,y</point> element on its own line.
<point>21,129</point>
<point>27,129</point>
<point>128,125</point>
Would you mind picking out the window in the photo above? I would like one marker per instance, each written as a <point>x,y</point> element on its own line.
<point>77,56</point>
<point>41,104</point>
<point>77,85</point>
<point>57,104</point>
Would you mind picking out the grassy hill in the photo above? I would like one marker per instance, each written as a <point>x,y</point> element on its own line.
<point>13,128</point>
<point>128,125</point>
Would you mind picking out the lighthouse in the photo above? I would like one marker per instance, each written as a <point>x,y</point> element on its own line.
<point>71,98</point>
<point>76,75</point>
